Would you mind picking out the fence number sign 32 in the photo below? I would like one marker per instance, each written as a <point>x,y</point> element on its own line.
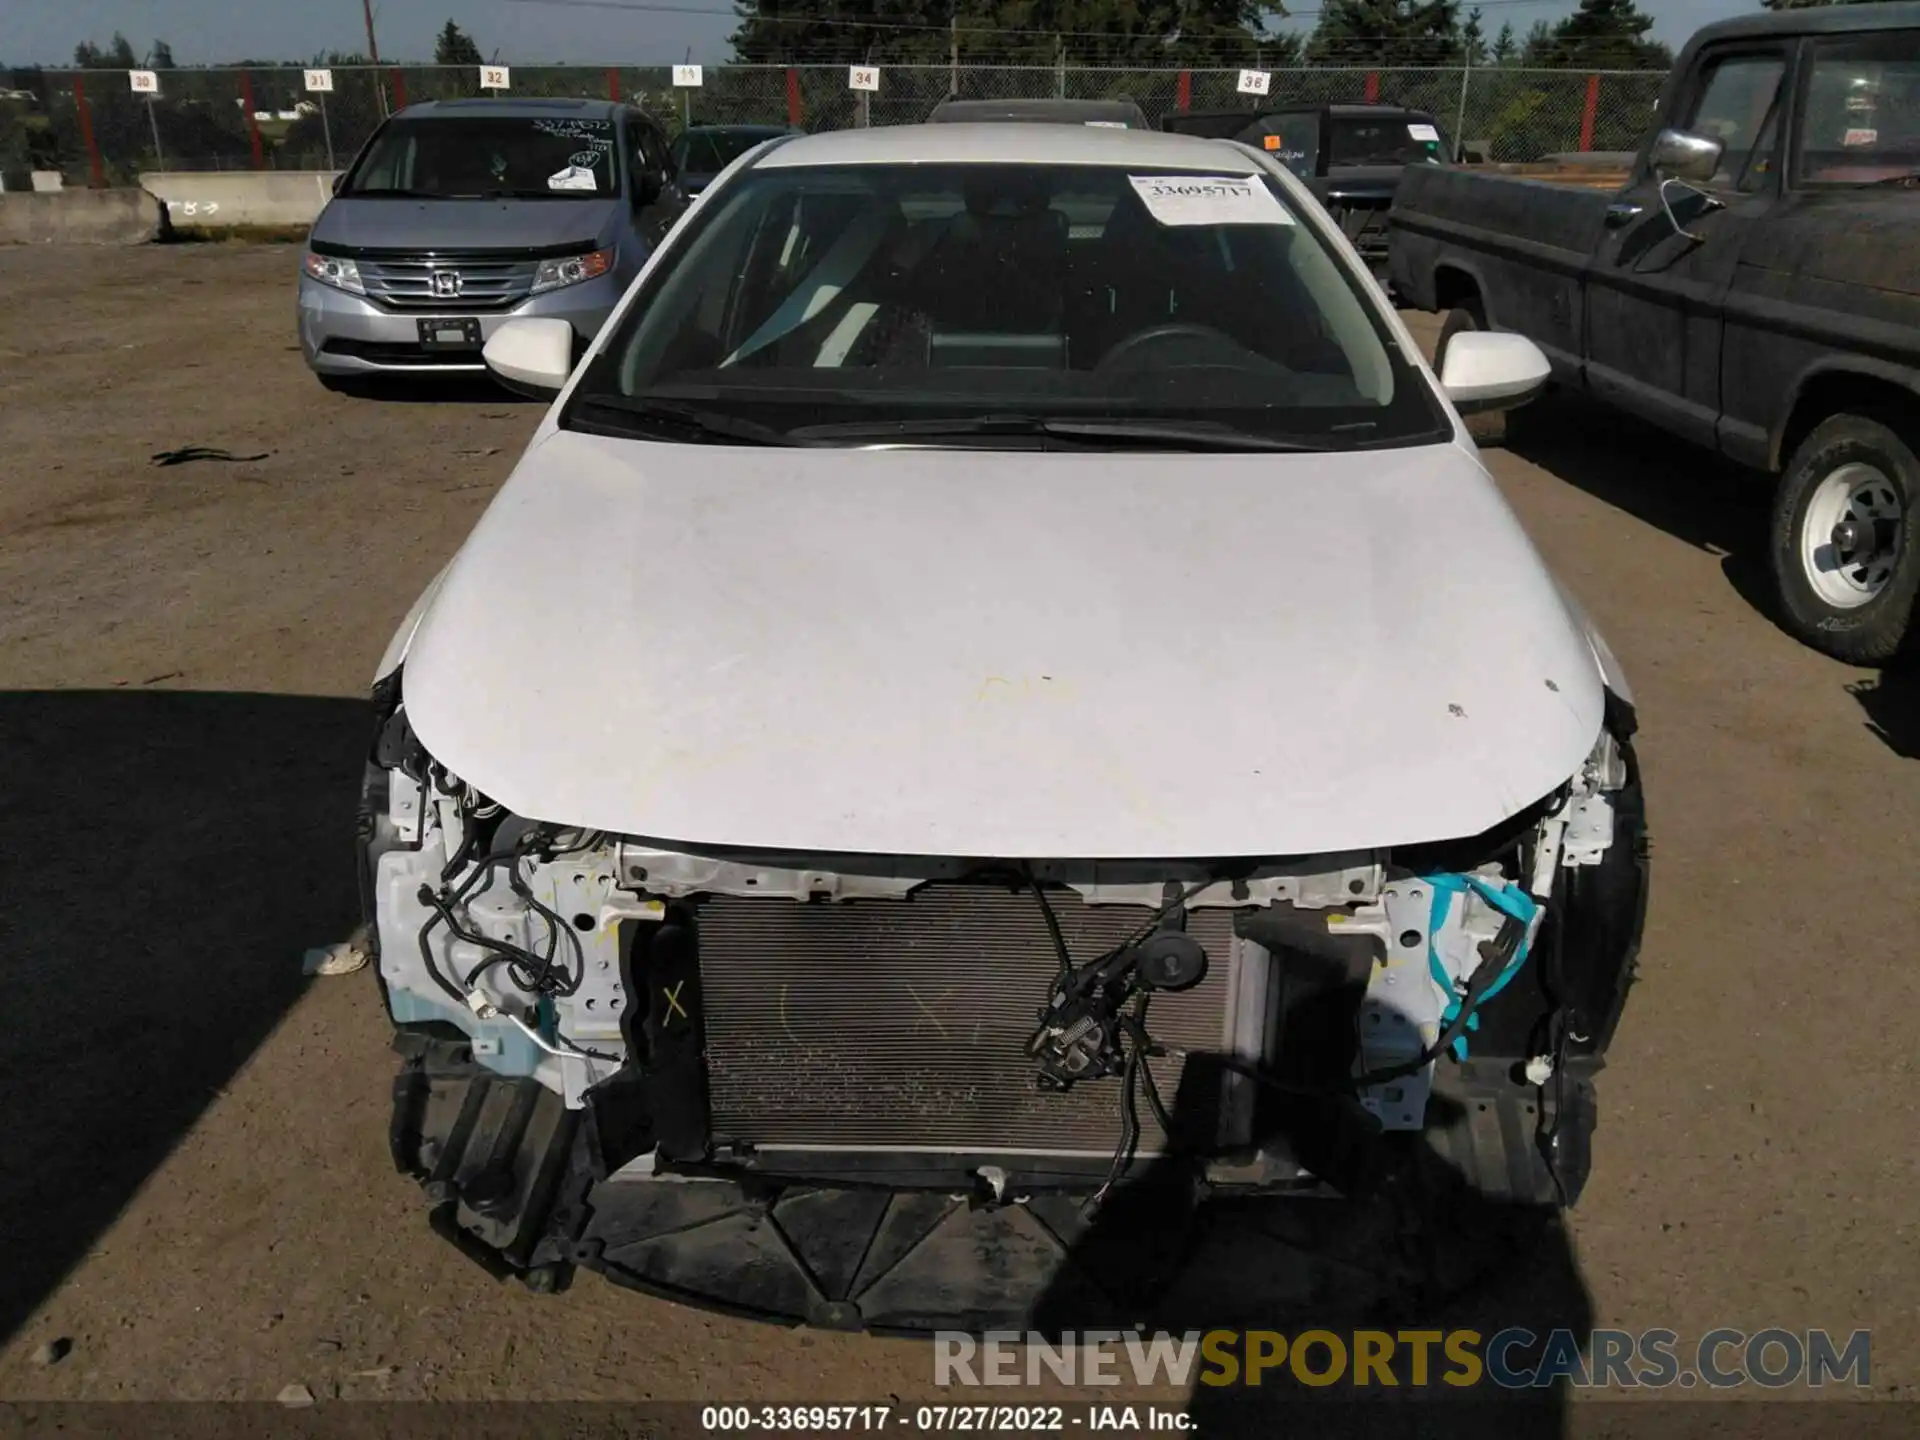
<point>863,77</point>
<point>494,77</point>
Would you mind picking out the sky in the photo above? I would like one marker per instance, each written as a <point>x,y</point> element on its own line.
<point>212,31</point>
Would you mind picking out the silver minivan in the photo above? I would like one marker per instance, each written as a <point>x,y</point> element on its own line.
<point>461,214</point>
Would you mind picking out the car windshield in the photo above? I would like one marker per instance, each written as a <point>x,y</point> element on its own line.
<point>812,300</point>
<point>1860,122</point>
<point>481,157</point>
<point>708,152</point>
<point>1402,140</point>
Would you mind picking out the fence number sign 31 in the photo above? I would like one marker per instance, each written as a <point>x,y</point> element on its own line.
<point>319,81</point>
<point>494,77</point>
<point>1255,82</point>
<point>863,77</point>
<point>144,82</point>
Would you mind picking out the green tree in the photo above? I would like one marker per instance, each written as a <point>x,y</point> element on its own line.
<point>117,56</point>
<point>455,47</point>
<point>1387,33</point>
<point>1473,39</point>
<point>1601,35</point>
<point>161,57</point>
<point>1805,4</point>
<point>1504,47</point>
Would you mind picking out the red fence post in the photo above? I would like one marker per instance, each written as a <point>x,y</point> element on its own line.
<point>613,84</point>
<point>1183,94</point>
<point>399,90</point>
<point>1592,110</point>
<point>94,168</point>
<point>796,112</point>
<point>253,120</point>
<point>1373,87</point>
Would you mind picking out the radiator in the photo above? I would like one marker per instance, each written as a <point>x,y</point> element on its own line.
<point>889,1024</point>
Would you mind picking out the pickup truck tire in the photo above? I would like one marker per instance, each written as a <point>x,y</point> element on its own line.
<point>1496,427</point>
<point>1846,563</point>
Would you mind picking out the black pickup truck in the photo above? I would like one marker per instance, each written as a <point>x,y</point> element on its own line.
<point>1753,287</point>
<point>1350,156</point>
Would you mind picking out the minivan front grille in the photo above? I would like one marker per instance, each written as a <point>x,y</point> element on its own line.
<point>447,283</point>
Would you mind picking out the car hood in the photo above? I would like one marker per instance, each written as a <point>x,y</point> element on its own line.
<point>452,225</point>
<point>1004,654</point>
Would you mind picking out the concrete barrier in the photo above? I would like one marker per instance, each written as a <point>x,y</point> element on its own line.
<point>81,217</point>
<point>241,199</point>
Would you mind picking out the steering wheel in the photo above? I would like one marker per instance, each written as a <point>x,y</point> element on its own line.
<point>1174,330</point>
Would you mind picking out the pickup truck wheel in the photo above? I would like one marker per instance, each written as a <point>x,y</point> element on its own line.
<point>1496,427</point>
<point>1843,550</point>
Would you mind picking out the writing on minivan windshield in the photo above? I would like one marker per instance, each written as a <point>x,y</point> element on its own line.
<point>848,301</point>
<point>489,157</point>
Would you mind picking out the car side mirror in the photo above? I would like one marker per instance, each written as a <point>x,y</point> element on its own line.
<point>338,181</point>
<point>531,357</point>
<point>1679,155</point>
<point>1490,370</point>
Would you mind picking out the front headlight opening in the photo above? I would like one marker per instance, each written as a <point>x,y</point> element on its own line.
<point>571,270</point>
<point>334,271</point>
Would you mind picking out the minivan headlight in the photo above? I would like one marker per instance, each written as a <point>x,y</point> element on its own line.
<point>335,271</point>
<point>571,270</point>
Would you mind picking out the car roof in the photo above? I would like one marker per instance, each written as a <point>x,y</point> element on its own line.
<point>955,111</point>
<point>1812,20</point>
<point>701,127</point>
<point>1012,144</point>
<point>515,106</point>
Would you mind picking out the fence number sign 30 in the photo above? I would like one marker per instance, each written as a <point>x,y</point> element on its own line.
<point>494,77</point>
<point>144,82</point>
<point>863,77</point>
<point>1255,82</point>
<point>320,81</point>
<point>687,76</point>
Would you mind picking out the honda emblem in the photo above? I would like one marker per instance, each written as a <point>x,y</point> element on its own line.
<point>446,284</point>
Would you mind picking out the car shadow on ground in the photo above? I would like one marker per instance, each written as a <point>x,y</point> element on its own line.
<point>1891,701</point>
<point>432,390</point>
<point>1409,1247</point>
<point>1692,495</point>
<point>169,857</point>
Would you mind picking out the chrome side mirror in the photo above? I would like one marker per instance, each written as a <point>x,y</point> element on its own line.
<point>1678,155</point>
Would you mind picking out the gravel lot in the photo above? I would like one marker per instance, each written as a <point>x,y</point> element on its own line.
<point>196,1190</point>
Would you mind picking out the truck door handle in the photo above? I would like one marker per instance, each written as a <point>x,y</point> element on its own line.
<point>1622,212</point>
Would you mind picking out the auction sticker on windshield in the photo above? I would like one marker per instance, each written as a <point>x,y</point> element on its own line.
<point>1209,200</point>
<point>1426,133</point>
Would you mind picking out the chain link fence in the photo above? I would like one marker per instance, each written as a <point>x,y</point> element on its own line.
<point>92,128</point>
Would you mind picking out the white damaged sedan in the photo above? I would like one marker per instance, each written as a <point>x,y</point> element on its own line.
<point>1001,684</point>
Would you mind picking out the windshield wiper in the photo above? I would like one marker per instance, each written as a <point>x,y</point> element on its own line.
<point>1124,434</point>
<point>670,420</point>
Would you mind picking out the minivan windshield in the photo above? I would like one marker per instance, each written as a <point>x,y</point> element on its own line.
<point>817,303</point>
<point>535,157</point>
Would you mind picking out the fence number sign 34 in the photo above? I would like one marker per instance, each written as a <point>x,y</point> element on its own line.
<point>863,77</point>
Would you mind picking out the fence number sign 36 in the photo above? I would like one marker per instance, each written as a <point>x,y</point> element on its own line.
<point>1255,82</point>
<point>494,77</point>
<point>863,77</point>
<point>144,82</point>
<point>319,81</point>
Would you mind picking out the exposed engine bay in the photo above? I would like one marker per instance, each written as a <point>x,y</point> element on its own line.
<point>604,1010</point>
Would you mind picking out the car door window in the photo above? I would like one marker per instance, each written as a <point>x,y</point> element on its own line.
<point>1735,105</point>
<point>1860,111</point>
